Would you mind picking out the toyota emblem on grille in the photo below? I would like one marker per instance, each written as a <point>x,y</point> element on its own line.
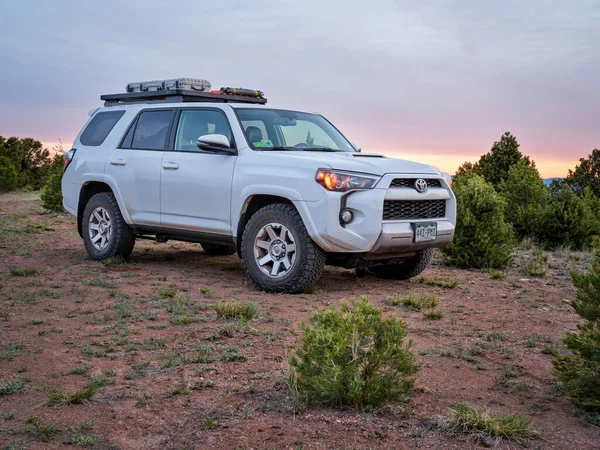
<point>420,185</point>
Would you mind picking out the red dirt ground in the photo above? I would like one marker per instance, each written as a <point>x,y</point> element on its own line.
<point>74,311</point>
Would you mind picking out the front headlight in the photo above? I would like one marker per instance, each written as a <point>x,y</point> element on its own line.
<point>338,181</point>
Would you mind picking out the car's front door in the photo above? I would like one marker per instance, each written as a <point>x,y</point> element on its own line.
<point>196,184</point>
<point>135,167</point>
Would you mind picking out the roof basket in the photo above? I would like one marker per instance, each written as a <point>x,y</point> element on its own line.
<point>181,90</point>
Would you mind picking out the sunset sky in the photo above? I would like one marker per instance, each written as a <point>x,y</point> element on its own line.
<point>435,81</point>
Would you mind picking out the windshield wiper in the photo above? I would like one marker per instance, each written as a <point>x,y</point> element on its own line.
<point>276,148</point>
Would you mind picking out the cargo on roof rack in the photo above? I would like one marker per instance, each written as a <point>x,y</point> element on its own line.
<point>180,90</point>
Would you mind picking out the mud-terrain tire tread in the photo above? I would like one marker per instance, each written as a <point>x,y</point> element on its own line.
<point>406,269</point>
<point>217,250</point>
<point>123,237</point>
<point>309,265</point>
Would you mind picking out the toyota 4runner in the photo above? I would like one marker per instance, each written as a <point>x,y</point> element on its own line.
<point>284,189</point>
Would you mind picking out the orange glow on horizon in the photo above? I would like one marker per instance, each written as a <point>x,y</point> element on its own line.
<point>549,167</point>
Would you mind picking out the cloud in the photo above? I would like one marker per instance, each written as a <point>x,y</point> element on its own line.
<point>442,77</point>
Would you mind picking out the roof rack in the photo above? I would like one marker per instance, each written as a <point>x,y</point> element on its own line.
<point>178,96</point>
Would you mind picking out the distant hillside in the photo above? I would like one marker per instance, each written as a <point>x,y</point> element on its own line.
<point>547,181</point>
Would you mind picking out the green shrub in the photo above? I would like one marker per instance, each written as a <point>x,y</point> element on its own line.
<point>352,357</point>
<point>483,238</point>
<point>569,219</point>
<point>580,371</point>
<point>537,264</point>
<point>9,177</point>
<point>526,198</point>
<point>52,192</point>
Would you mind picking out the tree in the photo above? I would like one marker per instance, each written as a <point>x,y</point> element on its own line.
<point>29,158</point>
<point>580,371</point>
<point>504,154</point>
<point>586,174</point>
<point>9,177</point>
<point>483,238</point>
<point>52,190</point>
<point>570,219</point>
<point>526,198</point>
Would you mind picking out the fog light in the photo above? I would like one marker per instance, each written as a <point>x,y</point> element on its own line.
<point>346,216</point>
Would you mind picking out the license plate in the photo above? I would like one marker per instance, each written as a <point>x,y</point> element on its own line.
<point>425,232</point>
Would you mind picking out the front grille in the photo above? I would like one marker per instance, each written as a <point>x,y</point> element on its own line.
<point>410,182</point>
<point>413,209</point>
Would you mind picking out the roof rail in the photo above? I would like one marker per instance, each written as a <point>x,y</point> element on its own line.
<point>180,96</point>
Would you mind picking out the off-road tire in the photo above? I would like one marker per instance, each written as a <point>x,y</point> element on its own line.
<point>310,258</point>
<point>217,250</point>
<point>122,240</point>
<point>406,269</point>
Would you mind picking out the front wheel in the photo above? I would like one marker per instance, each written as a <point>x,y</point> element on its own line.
<point>105,232</point>
<point>406,269</point>
<point>278,254</point>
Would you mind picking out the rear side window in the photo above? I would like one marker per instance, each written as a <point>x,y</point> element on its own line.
<point>151,130</point>
<point>99,127</point>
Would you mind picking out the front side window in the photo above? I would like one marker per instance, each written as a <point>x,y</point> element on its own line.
<point>99,127</point>
<point>290,130</point>
<point>151,130</point>
<point>194,123</point>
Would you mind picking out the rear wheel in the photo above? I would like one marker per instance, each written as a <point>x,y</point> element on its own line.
<point>278,254</point>
<point>406,269</point>
<point>217,250</point>
<point>105,232</point>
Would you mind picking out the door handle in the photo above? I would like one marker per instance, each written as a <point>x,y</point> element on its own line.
<point>170,165</point>
<point>118,162</point>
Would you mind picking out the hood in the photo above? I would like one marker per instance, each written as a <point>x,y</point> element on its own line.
<point>372,163</point>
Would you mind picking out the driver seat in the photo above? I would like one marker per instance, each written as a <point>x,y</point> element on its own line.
<point>254,134</point>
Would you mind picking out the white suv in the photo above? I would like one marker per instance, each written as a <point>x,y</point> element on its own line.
<point>282,188</point>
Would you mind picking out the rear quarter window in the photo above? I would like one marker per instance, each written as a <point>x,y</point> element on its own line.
<point>100,127</point>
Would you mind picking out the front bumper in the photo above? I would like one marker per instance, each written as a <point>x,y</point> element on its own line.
<point>368,233</point>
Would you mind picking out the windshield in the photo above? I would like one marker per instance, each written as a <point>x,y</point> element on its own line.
<point>277,129</point>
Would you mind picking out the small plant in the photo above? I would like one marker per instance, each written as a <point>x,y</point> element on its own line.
<point>205,353</point>
<point>445,281</point>
<point>482,426</point>
<point>114,261</point>
<point>167,293</point>
<point>81,434</point>
<point>236,310</point>
<point>537,265</point>
<point>433,314</point>
<point>58,397</point>
<point>497,275</point>
<point>138,370</point>
<point>43,432</point>
<point>232,353</point>
<point>205,292</point>
<point>83,369</point>
<point>352,357</point>
<point>179,390</point>
<point>420,302</point>
<point>10,351</point>
<point>51,196</point>
<point>11,387</point>
<point>23,271</point>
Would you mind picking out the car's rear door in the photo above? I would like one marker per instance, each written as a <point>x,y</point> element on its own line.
<point>196,184</point>
<point>135,166</point>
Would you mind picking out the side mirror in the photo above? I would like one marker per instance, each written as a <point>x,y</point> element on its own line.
<point>356,147</point>
<point>215,143</point>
